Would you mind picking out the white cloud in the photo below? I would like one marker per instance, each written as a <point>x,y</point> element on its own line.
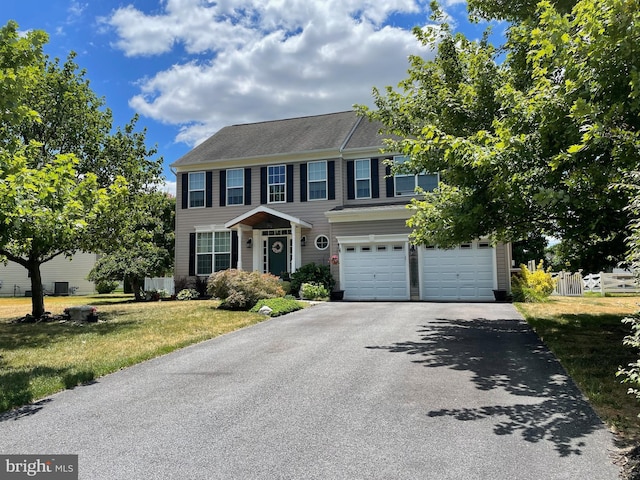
<point>248,60</point>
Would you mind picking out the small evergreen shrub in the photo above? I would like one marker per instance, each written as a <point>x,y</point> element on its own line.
<point>314,291</point>
<point>106,286</point>
<point>279,306</point>
<point>241,290</point>
<point>532,287</point>
<point>312,273</point>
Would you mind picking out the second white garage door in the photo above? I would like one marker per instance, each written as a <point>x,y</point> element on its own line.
<point>375,272</point>
<point>466,272</point>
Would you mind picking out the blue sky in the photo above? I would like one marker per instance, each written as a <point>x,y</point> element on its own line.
<point>190,67</point>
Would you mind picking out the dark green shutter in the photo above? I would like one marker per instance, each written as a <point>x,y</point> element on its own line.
<point>185,191</point>
<point>351,180</point>
<point>303,182</point>
<point>375,179</point>
<point>331,174</point>
<point>247,186</point>
<point>223,188</point>
<point>192,254</point>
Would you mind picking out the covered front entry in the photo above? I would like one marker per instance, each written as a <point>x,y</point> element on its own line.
<point>270,240</point>
<point>467,272</point>
<point>377,270</point>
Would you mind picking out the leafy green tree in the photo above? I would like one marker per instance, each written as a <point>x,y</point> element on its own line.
<point>533,144</point>
<point>46,212</point>
<point>68,182</point>
<point>145,246</point>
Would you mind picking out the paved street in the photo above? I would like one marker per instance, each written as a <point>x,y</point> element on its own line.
<point>338,391</point>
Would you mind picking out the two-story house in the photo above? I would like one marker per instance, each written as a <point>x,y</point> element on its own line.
<point>273,196</point>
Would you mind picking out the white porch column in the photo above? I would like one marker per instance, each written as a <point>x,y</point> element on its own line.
<point>295,253</point>
<point>240,243</point>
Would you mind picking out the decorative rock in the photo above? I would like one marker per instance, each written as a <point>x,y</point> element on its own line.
<point>265,310</point>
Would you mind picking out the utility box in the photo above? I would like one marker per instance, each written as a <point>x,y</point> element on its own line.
<point>61,288</point>
<point>82,313</point>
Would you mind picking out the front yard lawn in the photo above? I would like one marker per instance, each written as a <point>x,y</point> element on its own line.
<point>37,360</point>
<point>586,333</point>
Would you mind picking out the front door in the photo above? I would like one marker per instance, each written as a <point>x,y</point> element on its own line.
<point>278,257</point>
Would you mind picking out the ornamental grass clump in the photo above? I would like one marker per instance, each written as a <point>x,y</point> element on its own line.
<point>241,290</point>
<point>532,287</point>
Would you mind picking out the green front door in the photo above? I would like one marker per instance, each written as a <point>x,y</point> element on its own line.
<point>278,256</point>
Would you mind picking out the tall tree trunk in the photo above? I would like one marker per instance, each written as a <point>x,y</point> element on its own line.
<point>37,292</point>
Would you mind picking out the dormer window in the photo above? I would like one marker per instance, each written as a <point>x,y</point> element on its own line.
<point>406,183</point>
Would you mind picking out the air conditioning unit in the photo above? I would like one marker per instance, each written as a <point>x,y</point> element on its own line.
<point>61,288</point>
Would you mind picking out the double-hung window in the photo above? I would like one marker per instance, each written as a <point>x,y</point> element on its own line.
<point>235,186</point>
<point>196,189</point>
<point>317,178</point>
<point>213,252</point>
<point>406,183</point>
<point>363,178</point>
<point>276,181</point>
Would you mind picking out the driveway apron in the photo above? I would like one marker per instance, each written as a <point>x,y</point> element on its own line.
<point>340,390</point>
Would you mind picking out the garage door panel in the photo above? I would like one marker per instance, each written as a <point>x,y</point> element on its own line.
<point>375,272</point>
<point>458,274</point>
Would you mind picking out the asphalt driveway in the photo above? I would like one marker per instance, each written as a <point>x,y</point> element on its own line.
<point>337,391</point>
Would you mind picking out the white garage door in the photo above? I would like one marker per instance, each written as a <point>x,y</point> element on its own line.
<point>466,272</point>
<point>375,272</point>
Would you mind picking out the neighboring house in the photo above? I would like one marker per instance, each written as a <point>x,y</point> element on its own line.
<point>60,276</point>
<point>273,196</point>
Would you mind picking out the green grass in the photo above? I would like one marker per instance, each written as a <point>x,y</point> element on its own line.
<point>586,335</point>
<point>279,306</point>
<point>39,359</point>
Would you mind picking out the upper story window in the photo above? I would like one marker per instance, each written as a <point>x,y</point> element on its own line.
<point>235,186</point>
<point>196,189</point>
<point>406,183</point>
<point>213,252</point>
<point>317,177</point>
<point>276,181</point>
<point>362,178</point>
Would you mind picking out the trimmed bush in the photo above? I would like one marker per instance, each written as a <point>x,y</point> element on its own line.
<point>241,290</point>
<point>312,273</point>
<point>532,287</point>
<point>279,306</point>
<point>106,286</point>
<point>314,291</point>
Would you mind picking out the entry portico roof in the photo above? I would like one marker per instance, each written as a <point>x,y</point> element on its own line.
<point>261,214</point>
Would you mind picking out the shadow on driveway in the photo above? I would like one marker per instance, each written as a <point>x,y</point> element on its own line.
<point>507,355</point>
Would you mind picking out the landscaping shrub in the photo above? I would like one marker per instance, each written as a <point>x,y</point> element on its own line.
<point>313,291</point>
<point>534,286</point>
<point>184,283</point>
<point>241,290</point>
<point>106,286</point>
<point>279,306</point>
<point>312,273</point>
<point>187,294</point>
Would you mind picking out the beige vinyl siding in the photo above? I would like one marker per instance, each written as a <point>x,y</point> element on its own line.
<point>309,211</point>
<point>74,270</point>
<point>503,265</point>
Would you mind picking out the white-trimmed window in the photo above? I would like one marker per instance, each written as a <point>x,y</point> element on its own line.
<point>213,252</point>
<point>277,183</point>
<point>362,171</point>
<point>406,183</point>
<point>235,186</point>
<point>322,242</point>
<point>197,184</point>
<point>317,180</point>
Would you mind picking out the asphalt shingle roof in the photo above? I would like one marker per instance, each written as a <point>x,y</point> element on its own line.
<point>293,135</point>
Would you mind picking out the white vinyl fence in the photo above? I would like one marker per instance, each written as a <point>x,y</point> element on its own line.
<point>574,284</point>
